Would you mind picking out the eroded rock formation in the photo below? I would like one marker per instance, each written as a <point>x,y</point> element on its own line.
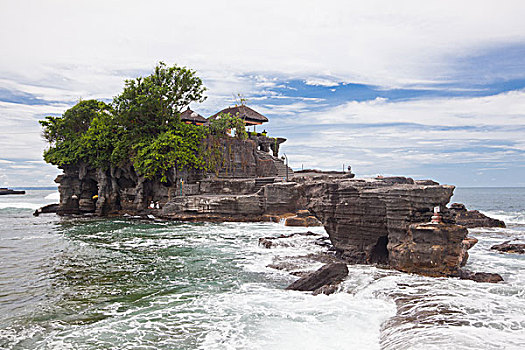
<point>379,221</point>
<point>507,247</point>
<point>473,218</point>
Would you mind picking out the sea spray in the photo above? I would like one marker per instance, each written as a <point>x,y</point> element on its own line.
<point>92,283</point>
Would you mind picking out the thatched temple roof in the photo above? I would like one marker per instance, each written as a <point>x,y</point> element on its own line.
<point>250,116</point>
<point>189,116</point>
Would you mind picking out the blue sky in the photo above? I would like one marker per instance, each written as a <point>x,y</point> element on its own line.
<point>432,89</point>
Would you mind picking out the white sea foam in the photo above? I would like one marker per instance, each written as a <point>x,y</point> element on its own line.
<point>509,217</point>
<point>20,205</point>
<point>240,303</point>
<point>54,196</point>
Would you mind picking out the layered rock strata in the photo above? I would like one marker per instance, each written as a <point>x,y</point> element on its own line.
<point>473,218</point>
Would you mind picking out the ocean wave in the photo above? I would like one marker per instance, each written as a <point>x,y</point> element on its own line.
<point>20,205</point>
<point>509,217</point>
<point>54,195</point>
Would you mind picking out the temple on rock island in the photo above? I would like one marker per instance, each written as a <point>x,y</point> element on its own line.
<point>386,220</point>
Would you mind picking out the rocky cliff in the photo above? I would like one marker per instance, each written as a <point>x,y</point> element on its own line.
<point>121,190</point>
<point>379,221</point>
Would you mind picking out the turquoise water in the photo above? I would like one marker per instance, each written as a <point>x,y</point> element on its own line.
<point>122,284</point>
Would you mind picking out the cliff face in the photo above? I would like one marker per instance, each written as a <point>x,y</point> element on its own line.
<point>368,221</point>
<point>121,190</point>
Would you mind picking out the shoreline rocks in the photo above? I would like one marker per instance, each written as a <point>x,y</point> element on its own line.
<point>50,208</point>
<point>323,280</point>
<point>7,191</point>
<point>507,247</point>
<point>473,218</point>
<point>368,221</point>
<point>480,276</point>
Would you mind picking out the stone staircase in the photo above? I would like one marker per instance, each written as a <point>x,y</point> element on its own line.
<point>279,164</point>
<point>263,181</point>
<point>281,170</point>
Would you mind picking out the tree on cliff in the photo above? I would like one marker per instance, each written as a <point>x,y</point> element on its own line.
<point>150,105</point>
<point>141,128</point>
<point>67,133</point>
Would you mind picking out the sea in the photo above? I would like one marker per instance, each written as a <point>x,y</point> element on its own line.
<point>124,283</point>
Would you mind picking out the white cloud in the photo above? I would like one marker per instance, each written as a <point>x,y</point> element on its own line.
<point>62,50</point>
<point>321,82</point>
<point>410,136</point>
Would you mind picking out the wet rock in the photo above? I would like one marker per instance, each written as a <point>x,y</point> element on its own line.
<point>303,213</point>
<point>430,249</point>
<point>302,221</point>
<point>328,274</point>
<point>50,208</point>
<point>473,218</point>
<point>266,243</point>
<point>480,276</point>
<point>327,290</point>
<point>507,247</point>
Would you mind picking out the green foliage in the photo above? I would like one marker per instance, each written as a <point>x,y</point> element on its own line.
<point>222,125</point>
<point>74,122</point>
<point>72,136</point>
<point>151,105</point>
<point>177,148</point>
<point>141,128</point>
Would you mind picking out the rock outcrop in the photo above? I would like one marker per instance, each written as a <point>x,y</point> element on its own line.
<point>429,249</point>
<point>366,220</point>
<point>303,218</point>
<point>50,208</point>
<point>322,280</point>
<point>480,276</point>
<point>473,218</point>
<point>121,190</point>
<point>507,247</point>
<point>376,221</point>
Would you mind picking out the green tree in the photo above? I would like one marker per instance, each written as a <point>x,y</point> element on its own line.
<point>180,147</point>
<point>222,125</point>
<point>74,122</point>
<point>142,128</point>
<point>66,134</point>
<point>150,105</point>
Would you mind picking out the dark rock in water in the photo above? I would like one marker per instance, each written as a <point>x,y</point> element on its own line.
<point>327,290</point>
<point>9,191</point>
<point>50,208</point>
<point>480,276</point>
<point>507,247</point>
<point>265,242</point>
<point>473,218</point>
<point>327,275</point>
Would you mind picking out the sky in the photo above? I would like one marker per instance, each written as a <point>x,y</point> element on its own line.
<point>426,89</point>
